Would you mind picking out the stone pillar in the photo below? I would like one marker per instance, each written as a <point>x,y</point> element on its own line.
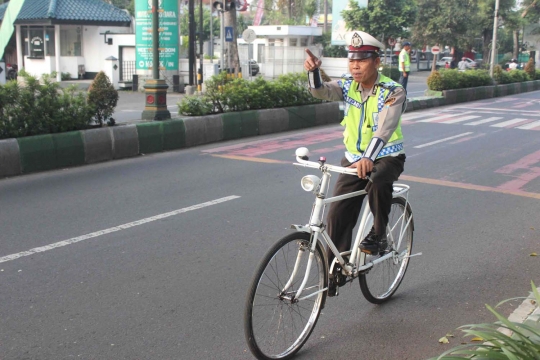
<point>19,46</point>
<point>3,73</point>
<point>111,70</point>
<point>57,52</point>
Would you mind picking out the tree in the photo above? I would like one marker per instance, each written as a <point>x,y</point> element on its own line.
<point>382,18</point>
<point>442,22</point>
<point>102,97</point>
<point>483,21</point>
<point>184,23</point>
<point>230,19</point>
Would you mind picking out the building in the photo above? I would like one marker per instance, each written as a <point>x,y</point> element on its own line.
<point>70,36</point>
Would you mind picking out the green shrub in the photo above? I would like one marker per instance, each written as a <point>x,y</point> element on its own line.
<point>102,97</point>
<point>392,72</point>
<point>448,79</point>
<point>224,95</point>
<point>194,106</point>
<point>41,108</point>
<point>537,75</point>
<point>65,76</point>
<point>435,81</point>
<point>530,69</point>
<point>518,76</point>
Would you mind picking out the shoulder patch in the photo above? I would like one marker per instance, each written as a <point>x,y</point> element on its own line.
<point>390,101</point>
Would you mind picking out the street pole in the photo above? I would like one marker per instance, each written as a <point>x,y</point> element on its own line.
<point>155,90</point>
<point>201,45</point>
<point>222,40</point>
<point>211,47</point>
<point>494,42</point>
<point>191,47</point>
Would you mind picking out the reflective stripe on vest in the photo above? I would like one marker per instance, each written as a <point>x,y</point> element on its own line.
<point>361,118</point>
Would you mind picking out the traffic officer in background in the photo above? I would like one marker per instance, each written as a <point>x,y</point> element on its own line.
<point>405,64</point>
<point>372,137</point>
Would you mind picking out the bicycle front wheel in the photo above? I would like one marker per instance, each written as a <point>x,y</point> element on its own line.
<point>276,323</point>
<point>380,282</point>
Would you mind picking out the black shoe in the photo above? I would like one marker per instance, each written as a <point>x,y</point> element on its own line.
<point>374,244</point>
<point>332,287</point>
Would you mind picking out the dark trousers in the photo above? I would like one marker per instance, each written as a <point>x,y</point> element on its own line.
<point>343,215</point>
<point>403,80</point>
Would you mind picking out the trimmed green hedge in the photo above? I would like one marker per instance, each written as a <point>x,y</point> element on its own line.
<point>450,79</point>
<point>226,95</point>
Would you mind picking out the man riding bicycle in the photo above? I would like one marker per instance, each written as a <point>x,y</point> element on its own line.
<point>372,137</point>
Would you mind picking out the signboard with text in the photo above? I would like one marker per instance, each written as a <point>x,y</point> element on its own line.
<point>339,28</point>
<point>168,34</point>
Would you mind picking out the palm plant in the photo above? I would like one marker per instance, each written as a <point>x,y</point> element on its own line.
<point>503,339</point>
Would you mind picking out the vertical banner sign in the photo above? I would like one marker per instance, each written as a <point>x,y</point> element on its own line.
<point>339,29</point>
<point>168,34</point>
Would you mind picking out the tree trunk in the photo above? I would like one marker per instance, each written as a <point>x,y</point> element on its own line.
<point>487,37</point>
<point>516,44</point>
<point>230,20</point>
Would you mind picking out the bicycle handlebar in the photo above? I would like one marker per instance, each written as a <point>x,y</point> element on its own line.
<point>302,158</point>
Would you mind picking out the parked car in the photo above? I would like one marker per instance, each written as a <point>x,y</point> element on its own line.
<point>471,64</point>
<point>254,67</point>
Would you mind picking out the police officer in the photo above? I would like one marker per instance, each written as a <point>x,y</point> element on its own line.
<point>372,137</point>
<point>405,64</point>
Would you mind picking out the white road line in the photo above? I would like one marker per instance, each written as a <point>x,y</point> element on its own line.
<point>531,112</point>
<point>529,125</point>
<point>483,121</point>
<point>114,229</point>
<point>442,140</point>
<point>408,117</point>
<point>509,122</point>
<point>465,118</point>
<point>445,116</point>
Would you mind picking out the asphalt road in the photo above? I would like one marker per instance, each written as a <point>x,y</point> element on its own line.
<point>170,283</point>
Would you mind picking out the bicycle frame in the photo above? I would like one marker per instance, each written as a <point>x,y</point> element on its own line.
<point>357,261</point>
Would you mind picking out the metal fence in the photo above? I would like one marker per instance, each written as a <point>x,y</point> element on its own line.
<point>127,70</point>
<point>275,60</point>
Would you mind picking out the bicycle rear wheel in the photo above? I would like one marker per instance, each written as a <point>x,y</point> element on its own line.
<point>380,282</point>
<point>275,326</point>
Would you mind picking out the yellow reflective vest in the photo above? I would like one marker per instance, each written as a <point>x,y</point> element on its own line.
<point>361,118</point>
<point>405,59</point>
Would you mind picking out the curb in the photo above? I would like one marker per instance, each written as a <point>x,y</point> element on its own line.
<point>54,151</point>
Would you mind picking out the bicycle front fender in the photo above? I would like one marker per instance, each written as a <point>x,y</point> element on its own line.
<point>302,228</point>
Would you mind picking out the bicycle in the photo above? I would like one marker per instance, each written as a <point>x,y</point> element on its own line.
<point>283,306</point>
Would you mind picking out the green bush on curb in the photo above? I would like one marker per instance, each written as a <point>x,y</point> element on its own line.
<point>225,95</point>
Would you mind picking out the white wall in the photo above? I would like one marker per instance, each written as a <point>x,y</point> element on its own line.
<point>95,50</point>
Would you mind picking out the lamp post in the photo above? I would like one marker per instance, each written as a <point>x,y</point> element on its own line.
<point>155,89</point>
<point>494,42</point>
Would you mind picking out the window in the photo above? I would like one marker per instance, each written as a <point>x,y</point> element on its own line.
<point>49,42</point>
<point>293,41</point>
<point>303,41</point>
<point>70,42</point>
<point>36,43</point>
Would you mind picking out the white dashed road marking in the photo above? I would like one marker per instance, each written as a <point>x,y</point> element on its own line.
<point>114,229</point>
<point>442,140</point>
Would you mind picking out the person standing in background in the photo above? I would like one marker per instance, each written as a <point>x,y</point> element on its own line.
<point>405,64</point>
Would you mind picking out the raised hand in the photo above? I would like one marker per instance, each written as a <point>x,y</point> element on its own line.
<point>312,62</point>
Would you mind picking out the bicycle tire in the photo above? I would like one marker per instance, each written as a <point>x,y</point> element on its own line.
<point>380,282</point>
<point>270,327</point>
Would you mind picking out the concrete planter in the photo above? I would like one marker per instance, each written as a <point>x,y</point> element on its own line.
<point>54,151</point>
